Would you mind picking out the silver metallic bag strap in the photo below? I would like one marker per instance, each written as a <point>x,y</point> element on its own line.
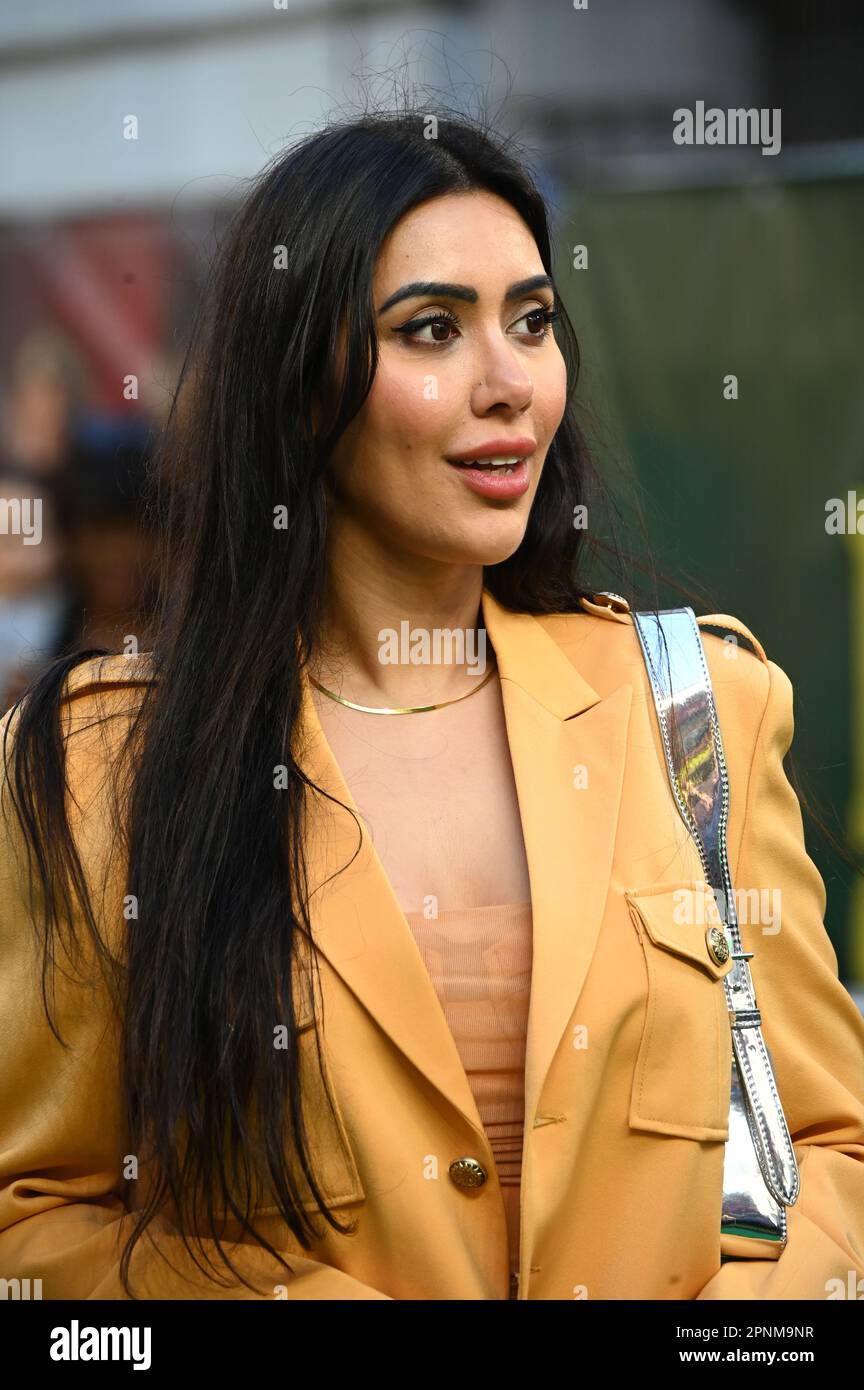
<point>760,1175</point>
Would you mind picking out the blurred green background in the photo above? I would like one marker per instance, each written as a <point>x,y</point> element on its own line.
<point>683,288</point>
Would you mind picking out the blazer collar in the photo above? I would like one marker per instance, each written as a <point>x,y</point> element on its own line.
<point>532,661</point>
<point>568,748</point>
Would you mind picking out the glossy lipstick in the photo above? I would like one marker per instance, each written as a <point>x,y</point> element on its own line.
<point>499,480</point>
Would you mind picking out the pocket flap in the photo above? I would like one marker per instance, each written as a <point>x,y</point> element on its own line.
<point>683,1072</point>
<point>683,918</point>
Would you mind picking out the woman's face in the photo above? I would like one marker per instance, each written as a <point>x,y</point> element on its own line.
<point>483,374</point>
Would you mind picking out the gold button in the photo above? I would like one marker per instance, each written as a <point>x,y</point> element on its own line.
<point>718,946</point>
<point>615,601</point>
<point>467,1173</point>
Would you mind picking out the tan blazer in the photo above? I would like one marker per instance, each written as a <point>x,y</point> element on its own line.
<point>628,1050</point>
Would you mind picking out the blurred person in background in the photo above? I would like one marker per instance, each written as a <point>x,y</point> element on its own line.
<point>42,400</point>
<point>84,583</point>
<point>106,548</point>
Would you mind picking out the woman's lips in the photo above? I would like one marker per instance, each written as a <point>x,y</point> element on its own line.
<point>495,482</point>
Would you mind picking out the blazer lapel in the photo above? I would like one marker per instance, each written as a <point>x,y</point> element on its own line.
<point>568,748</point>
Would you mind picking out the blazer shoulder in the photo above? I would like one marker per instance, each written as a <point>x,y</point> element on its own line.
<point>741,674</point>
<point>730,629</point>
<point>98,701</point>
<point>91,683</point>
<point>614,608</point>
<point>599,637</point>
<point>112,672</point>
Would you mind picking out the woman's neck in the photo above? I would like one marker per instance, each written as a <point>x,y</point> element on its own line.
<point>390,637</point>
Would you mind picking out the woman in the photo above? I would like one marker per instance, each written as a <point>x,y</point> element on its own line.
<point>353,1003</point>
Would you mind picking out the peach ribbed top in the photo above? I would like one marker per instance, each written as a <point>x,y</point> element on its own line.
<point>479,960</point>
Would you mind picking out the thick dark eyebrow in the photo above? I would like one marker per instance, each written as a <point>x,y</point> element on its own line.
<point>442,290</point>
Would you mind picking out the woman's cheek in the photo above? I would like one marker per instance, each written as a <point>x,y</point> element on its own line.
<point>412,404</point>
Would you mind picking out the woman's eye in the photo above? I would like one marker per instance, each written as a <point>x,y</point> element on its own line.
<point>441,329</point>
<point>542,318</point>
<point>442,322</point>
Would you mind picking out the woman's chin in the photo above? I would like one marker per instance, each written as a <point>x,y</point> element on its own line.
<point>499,540</point>
<point>486,550</point>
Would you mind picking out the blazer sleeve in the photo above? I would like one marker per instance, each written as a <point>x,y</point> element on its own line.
<point>62,1143</point>
<point>813,1031</point>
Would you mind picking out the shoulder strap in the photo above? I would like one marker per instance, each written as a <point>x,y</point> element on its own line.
<point>681,686</point>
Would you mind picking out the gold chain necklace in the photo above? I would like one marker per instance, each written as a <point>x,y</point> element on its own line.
<point>406,709</point>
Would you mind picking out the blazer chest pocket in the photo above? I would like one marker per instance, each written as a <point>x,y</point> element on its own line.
<point>682,1078</point>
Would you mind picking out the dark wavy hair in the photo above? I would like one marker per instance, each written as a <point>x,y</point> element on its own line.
<point>213,853</point>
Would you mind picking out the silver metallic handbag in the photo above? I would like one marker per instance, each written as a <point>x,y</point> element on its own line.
<point>760,1171</point>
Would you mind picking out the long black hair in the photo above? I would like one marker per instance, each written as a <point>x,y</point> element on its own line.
<point>212,851</point>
